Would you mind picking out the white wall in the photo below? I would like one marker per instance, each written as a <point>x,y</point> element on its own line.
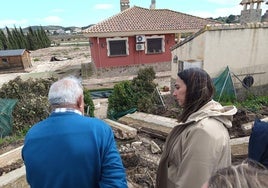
<point>244,48</point>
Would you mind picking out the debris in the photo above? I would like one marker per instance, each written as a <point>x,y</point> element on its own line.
<point>54,58</point>
<point>155,148</point>
<point>122,131</point>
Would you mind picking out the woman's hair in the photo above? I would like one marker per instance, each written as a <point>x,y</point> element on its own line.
<point>199,90</point>
<point>248,174</point>
<point>65,91</point>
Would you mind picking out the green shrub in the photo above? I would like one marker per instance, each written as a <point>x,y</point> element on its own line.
<point>89,105</point>
<point>32,105</point>
<point>121,99</point>
<point>137,93</point>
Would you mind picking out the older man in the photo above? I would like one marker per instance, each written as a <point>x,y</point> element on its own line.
<point>69,150</point>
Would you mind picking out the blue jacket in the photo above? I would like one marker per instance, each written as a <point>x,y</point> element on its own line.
<point>68,150</point>
<point>258,142</point>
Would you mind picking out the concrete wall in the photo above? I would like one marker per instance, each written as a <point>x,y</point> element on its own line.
<point>241,47</point>
<point>14,179</point>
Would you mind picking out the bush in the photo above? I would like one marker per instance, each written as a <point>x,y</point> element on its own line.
<point>121,99</point>
<point>89,105</point>
<point>137,93</point>
<point>32,103</point>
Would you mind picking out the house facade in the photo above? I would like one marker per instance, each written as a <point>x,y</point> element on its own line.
<point>242,47</point>
<point>138,36</point>
<point>14,60</point>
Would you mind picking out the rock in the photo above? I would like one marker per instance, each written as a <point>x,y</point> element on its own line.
<point>136,145</point>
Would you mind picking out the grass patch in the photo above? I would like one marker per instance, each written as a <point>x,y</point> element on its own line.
<point>253,103</point>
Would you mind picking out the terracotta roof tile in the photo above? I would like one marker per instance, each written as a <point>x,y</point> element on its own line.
<point>142,19</point>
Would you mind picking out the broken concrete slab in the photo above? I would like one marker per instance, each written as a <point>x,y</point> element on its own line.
<point>154,119</point>
<point>122,131</point>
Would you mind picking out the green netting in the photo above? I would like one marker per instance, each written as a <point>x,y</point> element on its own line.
<point>6,120</point>
<point>224,87</point>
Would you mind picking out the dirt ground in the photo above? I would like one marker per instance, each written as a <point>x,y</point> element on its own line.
<point>140,162</point>
<point>72,57</point>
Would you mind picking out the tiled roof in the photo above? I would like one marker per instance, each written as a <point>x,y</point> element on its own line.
<point>137,19</point>
<point>6,53</point>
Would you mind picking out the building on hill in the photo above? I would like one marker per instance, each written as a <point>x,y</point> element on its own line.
<point>14,60</point>
<point>138,36</point>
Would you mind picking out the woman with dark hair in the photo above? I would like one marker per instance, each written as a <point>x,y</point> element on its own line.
<point>199,145</point>
<point>248,174</point>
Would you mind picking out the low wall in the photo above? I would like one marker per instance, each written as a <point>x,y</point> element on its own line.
<point>243,93</point>
<point>132,70</point>
<point>14,179</point>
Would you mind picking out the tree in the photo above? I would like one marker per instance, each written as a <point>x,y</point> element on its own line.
<point>11,40</point>
<point>32,39</point>
<point>18,39</point>
<point>45,38</point>
<point>3,40</point>
<point>230,19</point>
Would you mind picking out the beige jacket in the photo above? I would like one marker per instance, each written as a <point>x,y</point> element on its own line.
<point>202,148</point>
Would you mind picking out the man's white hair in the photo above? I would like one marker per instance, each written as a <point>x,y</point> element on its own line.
<point>65,91</point>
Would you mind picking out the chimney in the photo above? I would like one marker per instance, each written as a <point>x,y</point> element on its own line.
<point>251,11</point>
<point>124,4</point>
<point>152,6</point>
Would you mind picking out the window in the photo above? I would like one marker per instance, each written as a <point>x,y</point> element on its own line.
<point>117,47</point>
<point>155,45</point>
<point>5,61</point>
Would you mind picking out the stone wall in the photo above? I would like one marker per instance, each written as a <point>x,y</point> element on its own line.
<point>243,93</point>
<point>250,15</point>
<point>131,70</point>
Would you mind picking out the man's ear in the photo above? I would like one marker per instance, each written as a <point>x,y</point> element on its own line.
<point>80,102</point>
